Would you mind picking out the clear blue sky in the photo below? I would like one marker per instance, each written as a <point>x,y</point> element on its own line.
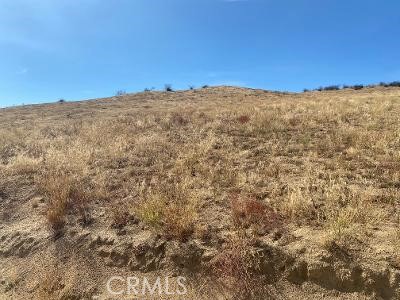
<point>51,49</point>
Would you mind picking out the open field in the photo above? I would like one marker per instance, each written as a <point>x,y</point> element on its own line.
<point>249,194</point>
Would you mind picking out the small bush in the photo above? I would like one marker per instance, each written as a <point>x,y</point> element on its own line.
<point>179,221</point>
<point>61,100</point>
<point>78,200</point>
<point>390,84</point>
<point>56,216</point>
<point>168,88</point>
<point>332,88</point>
<point>64,193</point>
<point>205,86</point>
<point>56,188</point>
<point>394,84</point>
<point>237,266</point>
<point>172,210</point>
<point>178,119</point>
<point>342,227</point>
<point>357,87</point>
<point>191,87</point>
<point>151,210</point>
<point>243,119</point>
<point>120,216</point>
<point>120,93</point>
<point>247,211</point>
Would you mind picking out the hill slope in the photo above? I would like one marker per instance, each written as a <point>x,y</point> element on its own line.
<point>246,193</point>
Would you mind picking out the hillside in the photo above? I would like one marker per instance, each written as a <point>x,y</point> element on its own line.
<point>248,194</point>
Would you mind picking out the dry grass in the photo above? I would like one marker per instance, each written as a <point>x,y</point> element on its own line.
<point>247,212</point>
<point>173,209</point>
<point>120,215</point>
<point>318,159</point>
<point>223,165</point>
<point>50,283</point>
<point>237,268</point>
<point>65,193</point>
<point>395,242</point>
<point>56,188</point>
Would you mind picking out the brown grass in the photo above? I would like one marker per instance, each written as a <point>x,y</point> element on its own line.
<point>64,194</point>
<point>216,169</point>
<point>171,209</point>
<point>237,268</point>
<point>243,119</point>
<point>120,215</point>
<point>247,211</point>
<point>318,159</point>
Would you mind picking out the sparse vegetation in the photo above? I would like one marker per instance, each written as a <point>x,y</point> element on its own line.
<point>237,266</point>
<point>62,168</point>
<point>332,88</point>
<point>120,93</point>
<point>64,193</point>
<point>168,88</point>
<point>243,119</point>
<point>392,84</point>
<point>120,215</point>
<point>357,87</point>
<point>173,209</point>
<point>223,173</point>
<point>56,188</point>
<point>247,212</point>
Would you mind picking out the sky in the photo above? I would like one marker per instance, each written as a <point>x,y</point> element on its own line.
<point>82,49</point>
